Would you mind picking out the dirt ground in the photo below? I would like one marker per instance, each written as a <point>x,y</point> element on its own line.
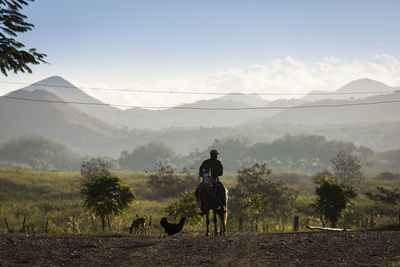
<point>358,248</point>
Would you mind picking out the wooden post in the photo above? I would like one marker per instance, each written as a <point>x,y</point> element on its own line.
<point>240,224</point>
<point>73,222</point>
<point>399,217</point>
<point>296,223</point>
<point>47,224</point>
<point>23,225</point>
<point>372,223</point>
<point>93,225</point>
<point>8,228</point>
<point>108,221</point>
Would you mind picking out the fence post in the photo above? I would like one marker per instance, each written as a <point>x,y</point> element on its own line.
<point>8,228</point>
<point>73,222</point>
<point>47,224</point>
<point>23,225</point>
<point>108,221</point>
<point>296,223</point>
<point>93,225</point>
<point>240,224</point>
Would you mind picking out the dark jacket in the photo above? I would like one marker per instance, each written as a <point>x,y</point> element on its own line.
<point>215,165</point>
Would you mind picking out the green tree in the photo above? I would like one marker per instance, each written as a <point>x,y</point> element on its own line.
<point>145,157</point>
<point>12,21</point>
<point>185,206</point>
<point>347,168</point>
<point>95,167</point>
<point>105,196</point>
<point>255,204</point>
<point>333,199</point>
<point>254,180</point>
<point>165,183</point>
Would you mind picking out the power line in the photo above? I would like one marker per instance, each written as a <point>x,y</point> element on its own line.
<point>202,93</point>
<point>203,108</point>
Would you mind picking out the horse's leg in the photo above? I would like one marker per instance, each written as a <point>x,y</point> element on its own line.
<point>222,218</point>
<point>222,223</point>
<point>215,222</point>
<point>207,221</point>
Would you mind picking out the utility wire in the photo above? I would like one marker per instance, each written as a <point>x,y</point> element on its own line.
<point>203,108</point>
<point>201,93</point>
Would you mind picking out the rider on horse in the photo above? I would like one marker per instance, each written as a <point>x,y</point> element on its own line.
<point>214,166</point>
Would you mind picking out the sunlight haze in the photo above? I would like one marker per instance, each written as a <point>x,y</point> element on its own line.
<point>211,46</point>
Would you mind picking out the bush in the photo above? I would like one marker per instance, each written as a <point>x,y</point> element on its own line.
<point>165,183</point>
<point>254,180</point>
<point>185,206</point>
<point>106,196</point>
<point>332,200</point>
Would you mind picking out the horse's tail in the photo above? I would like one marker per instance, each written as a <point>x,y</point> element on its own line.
<point>226,215</point>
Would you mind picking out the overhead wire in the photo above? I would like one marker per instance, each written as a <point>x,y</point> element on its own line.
<point>204,108</point>
<point>202,93</point>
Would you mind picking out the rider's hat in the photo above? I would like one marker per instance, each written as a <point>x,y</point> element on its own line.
<point>214,152</point>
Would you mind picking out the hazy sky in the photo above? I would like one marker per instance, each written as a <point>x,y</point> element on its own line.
<point>212,45</point>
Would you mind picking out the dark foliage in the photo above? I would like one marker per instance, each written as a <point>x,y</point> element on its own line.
<point>12,56</point>
<point>106,196</point>
<point>332,200</point>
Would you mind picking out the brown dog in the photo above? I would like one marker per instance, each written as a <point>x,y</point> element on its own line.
<point>138,223</point>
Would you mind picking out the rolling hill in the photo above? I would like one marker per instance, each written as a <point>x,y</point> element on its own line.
<point>361,88</point>
<point>185,115</point>
<point>371,109</point>
<point>62,122</point>
<point>39,153</point>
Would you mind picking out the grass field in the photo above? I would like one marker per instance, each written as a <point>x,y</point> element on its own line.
<point>51,202</point>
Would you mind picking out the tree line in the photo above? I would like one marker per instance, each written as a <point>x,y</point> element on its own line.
<point>306,153</point>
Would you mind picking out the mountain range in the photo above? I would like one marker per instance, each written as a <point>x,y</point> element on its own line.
<point>99,129</point>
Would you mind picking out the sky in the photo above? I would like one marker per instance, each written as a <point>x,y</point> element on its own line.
<point>211,46</point>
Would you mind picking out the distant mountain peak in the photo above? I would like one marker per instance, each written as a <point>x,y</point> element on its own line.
<point>365,85</point>
<point>54,81</point>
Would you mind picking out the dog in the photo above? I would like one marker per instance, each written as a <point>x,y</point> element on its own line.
<point>138,223</point>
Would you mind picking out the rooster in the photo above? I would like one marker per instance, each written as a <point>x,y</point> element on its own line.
<point>172,228</point>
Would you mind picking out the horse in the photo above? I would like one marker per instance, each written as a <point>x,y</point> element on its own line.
<point>209,201</point>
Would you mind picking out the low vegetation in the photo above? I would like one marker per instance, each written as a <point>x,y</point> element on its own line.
<point>260,199</point>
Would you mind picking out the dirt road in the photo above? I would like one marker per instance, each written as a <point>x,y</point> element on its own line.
<point>367,248</point>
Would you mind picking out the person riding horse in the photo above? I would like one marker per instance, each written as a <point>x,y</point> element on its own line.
<point>214,166</point>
